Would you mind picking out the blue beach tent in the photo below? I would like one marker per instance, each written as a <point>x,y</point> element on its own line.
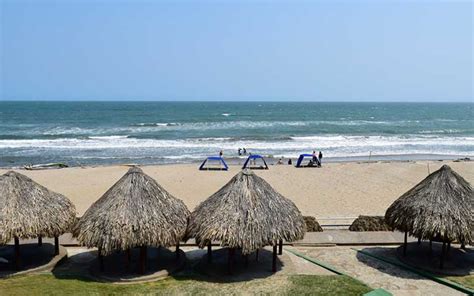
<point>254,158</point>
<point>220,161</point>
<point>299,163</point>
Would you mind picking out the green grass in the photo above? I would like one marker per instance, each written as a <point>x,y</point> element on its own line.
<point>47,284</point>
<point>466,281</point>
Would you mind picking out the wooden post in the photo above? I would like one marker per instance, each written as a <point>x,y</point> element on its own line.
<point>405,244</point>
<point>256,255</point>
<point>441,262</point>
<point>274,261</point>
<point>431,247</point>
<point>142,259</point>
<point>177,251</point>
<point>280,247</point>
<point>449,247</point>
<point>101,259</point>
<point>419,241</point>
<point>128,257</point>
<point>40,241</point>
<point>246,260</point>
<point>209,252</point>
<point>17,253</point>
<point>56,245</point>
<point>230,260</point>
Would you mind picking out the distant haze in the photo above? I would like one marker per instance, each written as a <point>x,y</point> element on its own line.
<point>237,50</point>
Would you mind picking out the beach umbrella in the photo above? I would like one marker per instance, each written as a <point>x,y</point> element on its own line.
<point>29,210</point>
<point>135,212</point>
<point>246,213</point>
<point>441,207</point>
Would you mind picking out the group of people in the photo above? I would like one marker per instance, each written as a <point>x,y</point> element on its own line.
<point>242,151</point>
<point>317,159</point>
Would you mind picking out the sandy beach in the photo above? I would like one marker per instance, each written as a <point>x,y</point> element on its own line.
<point>335,190</point>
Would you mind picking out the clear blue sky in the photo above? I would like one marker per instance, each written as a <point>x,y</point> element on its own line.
<point>237,50</point>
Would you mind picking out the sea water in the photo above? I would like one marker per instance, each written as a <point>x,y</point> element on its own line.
<point>95,133</point>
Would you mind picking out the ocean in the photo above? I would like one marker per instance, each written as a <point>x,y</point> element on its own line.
<point>99,133</point>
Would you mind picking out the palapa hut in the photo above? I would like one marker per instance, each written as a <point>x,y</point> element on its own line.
<point>29,210</point>
<point>441,207</point>
<point>246,213</point>
<point>135,212</point>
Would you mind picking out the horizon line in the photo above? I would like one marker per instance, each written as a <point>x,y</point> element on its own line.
<point>231,101</point>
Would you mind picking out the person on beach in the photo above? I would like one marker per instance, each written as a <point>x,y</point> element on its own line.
<point>315,159</point>
<point>290,162</point>
<point>240,152</point>
<point>280,161</point>
<point>320,156</point>
<point>221,153</point>
<point>245,151</point>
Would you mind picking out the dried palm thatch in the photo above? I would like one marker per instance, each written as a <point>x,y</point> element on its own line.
<point>441,206</point>
<point>246,213</point>
<point>136,211</point>
<point>29,210</point>
<point>370,223</point>
<point>312,224</point>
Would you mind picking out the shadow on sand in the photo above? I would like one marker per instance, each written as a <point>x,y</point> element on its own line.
<point>457,262</point>
<point>121,266</point>
<point>243,268</point>
<point>84,266</point>
<point>32,256</point>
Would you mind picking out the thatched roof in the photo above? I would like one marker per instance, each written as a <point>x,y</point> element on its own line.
<point>135,211</point>
<point>29,210</point>
<point>246,213</point>
<point>440,205</point>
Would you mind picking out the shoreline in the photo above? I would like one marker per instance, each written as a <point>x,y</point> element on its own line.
<point>339,189</point>
<point>272,160</point>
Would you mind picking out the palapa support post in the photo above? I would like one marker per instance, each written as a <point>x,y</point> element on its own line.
<point>280,247</point>
<point>246,260</point>
<point>230,260</point>
<point>142,259</point>
<point>17,253</point>
<point>40,241</point>
<point>405,244</point>
<point>419,241</point>
<point>431,247</point>
<point>274,260</point>
<point>209,252</point>
<point>56,245</point>
<point>449,247</point>
<point>443,250</point>
<point>101,259</point>
<point>256,255</point>
<point>177,251</point>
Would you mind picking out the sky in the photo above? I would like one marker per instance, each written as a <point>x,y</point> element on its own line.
<point>237,50</point>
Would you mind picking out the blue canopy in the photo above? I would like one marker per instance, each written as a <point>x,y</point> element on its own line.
<point>224,166</point>
<point>247,164</point>
<point>302,157</point>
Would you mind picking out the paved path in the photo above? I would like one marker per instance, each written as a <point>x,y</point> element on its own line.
<point>375,273</point>
<point>332,237</point>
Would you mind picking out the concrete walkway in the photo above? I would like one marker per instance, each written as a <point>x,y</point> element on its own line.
<point>329,237</point>
<point>345,237</point>
<point>375,273</point>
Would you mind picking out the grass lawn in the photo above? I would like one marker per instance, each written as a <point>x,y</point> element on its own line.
<point>466,281</point>
<point>48,284</point>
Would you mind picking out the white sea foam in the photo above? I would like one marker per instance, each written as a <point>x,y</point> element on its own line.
<point>336,145</point>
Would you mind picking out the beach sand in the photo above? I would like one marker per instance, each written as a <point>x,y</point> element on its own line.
<point>335,190</point>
